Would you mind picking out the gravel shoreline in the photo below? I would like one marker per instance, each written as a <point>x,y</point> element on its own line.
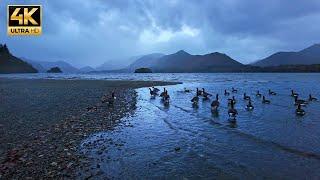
<point>42,122</point>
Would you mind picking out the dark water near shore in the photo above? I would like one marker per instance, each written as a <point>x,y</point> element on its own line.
<point>180,141</point>
<point>184,142</point>
<point>181,77</point>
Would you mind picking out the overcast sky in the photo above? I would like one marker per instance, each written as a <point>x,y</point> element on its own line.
<point>90,32</point>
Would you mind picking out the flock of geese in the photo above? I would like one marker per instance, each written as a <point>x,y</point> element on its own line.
<point>232,112</point>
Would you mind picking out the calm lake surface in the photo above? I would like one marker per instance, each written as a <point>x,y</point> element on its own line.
<point>185,142</point>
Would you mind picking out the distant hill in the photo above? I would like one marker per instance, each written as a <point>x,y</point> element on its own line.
<point>87,69</point>
<point>298,68</point>
<point>35,64</point>
<point>12,64</point>
<point>143,70</point>
<point>148,61</point>
<point>308,56</point>
<point>54,70</point>
<point>182,61</point>
<point>43,66</point>
<point>115,64</point>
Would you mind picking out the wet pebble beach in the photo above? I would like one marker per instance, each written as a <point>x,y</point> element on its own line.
<point>42,123</point>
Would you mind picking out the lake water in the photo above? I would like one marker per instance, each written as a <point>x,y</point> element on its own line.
<point>185,142</point>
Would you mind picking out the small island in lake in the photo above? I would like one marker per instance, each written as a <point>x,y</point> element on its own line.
<point>143,70</point>
<point>54,70</point>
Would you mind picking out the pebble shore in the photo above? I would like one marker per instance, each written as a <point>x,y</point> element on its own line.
<point>42,123</point>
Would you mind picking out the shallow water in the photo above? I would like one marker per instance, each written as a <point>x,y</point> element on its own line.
<point>236,78</point>
<point>185,142</point>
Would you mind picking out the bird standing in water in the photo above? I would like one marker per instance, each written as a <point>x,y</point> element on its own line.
<point>199,92</point>
<point>166,98</point>
<point>293,94</point>
<point>245,97</point>
<point>300,111</point>
<point>231,99</point>
<point>232,112</point>
<point>186,90</point>
<point>195,100</point>
<point>258,94</point>
<point>156,90</point>
<point>234,90</point>
<point>249,106</point>
<point>215,104</point>
<point>312,98</point>
<point>299,101</point>
<point>152,93</point>
<point>205,94</point>
<point>265,101</point>
<point>163,93</point>
<point>271,92</point>
<point>226,93</point>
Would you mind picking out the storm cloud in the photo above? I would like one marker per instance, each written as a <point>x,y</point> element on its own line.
<point>91,32</point>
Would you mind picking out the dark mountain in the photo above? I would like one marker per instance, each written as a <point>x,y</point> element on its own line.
<point>308,56</point>
<point>12,64</point>
<point>147,61</point>
<point>43,66</point>
<point>182,61</point>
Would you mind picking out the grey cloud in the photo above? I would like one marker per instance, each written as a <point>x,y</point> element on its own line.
<point>90,32</point>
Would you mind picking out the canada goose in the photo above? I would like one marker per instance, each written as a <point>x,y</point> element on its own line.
<point>226,93</point>
<point>293,94</point>
<point>195,100</point>
<point>199,92</point>
<point>166,98</point>
<point>232,112</point>
<point>186,90</point>
<point>215,104</point>
<point>205,94</point>
<point>312,98</point>
<point>258,94</point>
<point>234,90</point>
<point>265,101</point>
<point>245,97</point>
<point>205,97</point>
<point>300,111</point>
<point>249,106</point>
<point>156,90</point>
<point>163,93</point>
<point>271,92</point>
<point>231,100</point>
<point>109,100</point>
<point>152,92</point>
<point>299,101</point>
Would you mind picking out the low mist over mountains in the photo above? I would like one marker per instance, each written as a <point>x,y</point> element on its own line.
<point>147,61</point>
<point>12,64</point>
<point>43,66</point>
<point>310,55</point>
<point>116,64</point>
<point>87,69</point>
